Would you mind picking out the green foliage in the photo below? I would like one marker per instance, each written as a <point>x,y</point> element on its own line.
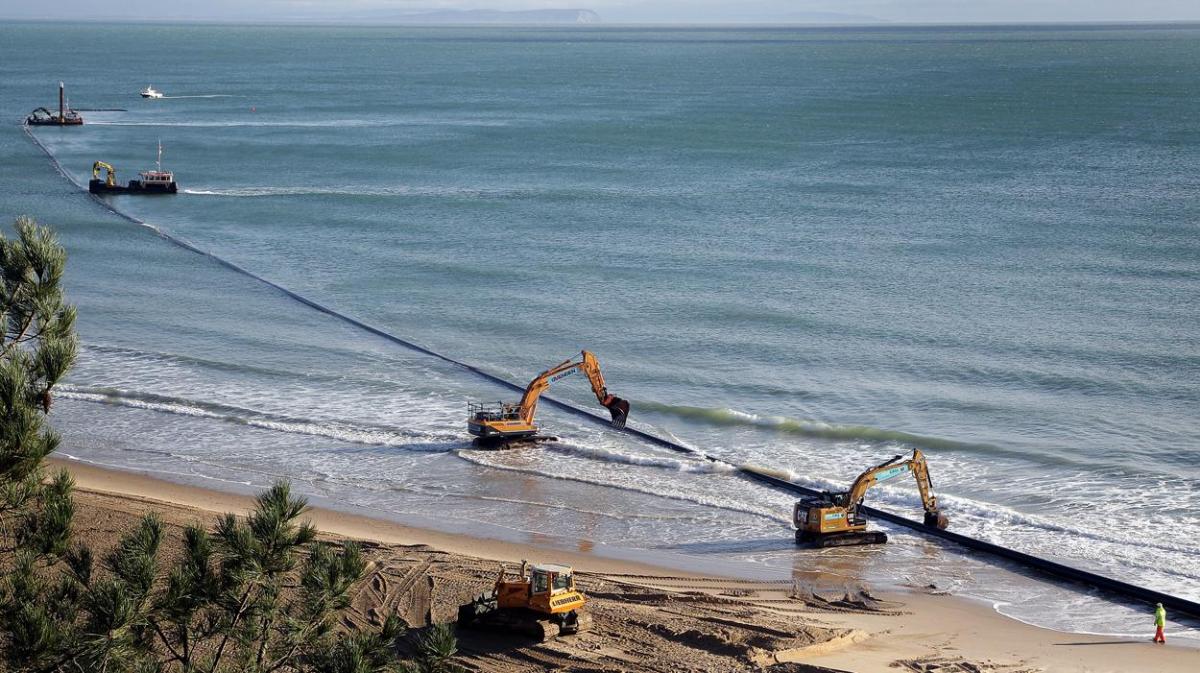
<point>37,347</point>
<point>435,651</point>
<point>258,594</point>
<point>255,594</point>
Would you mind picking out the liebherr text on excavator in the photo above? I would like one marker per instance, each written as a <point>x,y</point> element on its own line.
<point>503,422</point>
<point>833,519</point>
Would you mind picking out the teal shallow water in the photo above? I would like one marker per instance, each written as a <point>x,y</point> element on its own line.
<point>807,249</point>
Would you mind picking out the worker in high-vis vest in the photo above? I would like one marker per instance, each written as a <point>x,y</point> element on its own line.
<point>1160,621</point>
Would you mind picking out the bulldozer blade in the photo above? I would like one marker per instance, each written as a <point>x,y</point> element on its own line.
<point>619,409</point>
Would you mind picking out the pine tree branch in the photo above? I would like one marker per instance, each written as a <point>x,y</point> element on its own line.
<point>245,602</point>
<point>166,643</point>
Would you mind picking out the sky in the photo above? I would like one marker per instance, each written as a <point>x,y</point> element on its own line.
<point>627,11</point>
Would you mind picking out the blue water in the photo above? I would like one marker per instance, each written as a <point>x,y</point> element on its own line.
<point>805,249</point>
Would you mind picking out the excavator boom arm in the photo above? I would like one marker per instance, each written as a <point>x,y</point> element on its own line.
<point>890,470</point>
<point>924,482</point>
<point>110,179</point>
<point>586,363</point>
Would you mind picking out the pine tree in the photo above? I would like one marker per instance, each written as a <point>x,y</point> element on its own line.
<point>37,347</point>
<point>257,594</point>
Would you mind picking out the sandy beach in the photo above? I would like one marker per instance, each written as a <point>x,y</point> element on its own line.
<point>648,617</point>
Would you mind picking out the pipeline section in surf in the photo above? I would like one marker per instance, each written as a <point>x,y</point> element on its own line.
<point>1038,564</point>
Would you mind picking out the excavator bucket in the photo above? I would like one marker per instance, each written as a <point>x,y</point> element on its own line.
<point>619,409</point>
<point>937,520</point>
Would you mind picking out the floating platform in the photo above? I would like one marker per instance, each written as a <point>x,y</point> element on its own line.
<point>65,117</point>
<point>43,117</point>
<point>156,181</point>
<point>133,187</point>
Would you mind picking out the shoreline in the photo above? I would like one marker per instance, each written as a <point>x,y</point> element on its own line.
<point>928,626</point>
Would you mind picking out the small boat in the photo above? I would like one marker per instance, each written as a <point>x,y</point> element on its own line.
<point>156,181</point>
<point>149,92</point>
<point>65,117</point>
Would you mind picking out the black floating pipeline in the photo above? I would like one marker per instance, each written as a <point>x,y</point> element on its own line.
<point>1047,567</point>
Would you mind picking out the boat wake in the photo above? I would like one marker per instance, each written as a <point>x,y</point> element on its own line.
<point>397,190</point>
<point>332,123</point>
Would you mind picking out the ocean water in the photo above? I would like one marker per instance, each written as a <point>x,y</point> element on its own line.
<point>802,249</point>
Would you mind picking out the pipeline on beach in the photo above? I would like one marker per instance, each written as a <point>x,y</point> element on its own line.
<point>758,474</point>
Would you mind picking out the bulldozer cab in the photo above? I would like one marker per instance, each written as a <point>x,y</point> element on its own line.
<point>544,588</point>
<point>551,579</point>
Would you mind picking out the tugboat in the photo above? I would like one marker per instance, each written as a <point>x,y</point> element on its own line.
<point>149,92</point>
<point>156,181</point>
<point>65,117</point>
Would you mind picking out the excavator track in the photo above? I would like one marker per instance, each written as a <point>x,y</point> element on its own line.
<point>842,539</point>
<point>482,614</point>
<point>497,443</point>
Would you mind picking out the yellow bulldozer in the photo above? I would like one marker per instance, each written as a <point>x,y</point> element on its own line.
<point>501,423</point>
<point>834,519</point>
<point>540,601</point>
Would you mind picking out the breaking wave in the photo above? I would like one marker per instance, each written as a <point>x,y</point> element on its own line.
<point>809,428</point>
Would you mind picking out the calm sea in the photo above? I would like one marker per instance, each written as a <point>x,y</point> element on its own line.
<point>806,249</point>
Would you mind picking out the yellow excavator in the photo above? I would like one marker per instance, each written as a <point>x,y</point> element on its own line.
<point>540,601</point>
<point>503,422</point>
<point>110,180</point>
<point>833,519</point>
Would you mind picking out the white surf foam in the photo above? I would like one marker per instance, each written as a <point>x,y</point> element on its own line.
<point>397,190</point>
<point>484,459</point>
<point>665,462</point>
<point>408,440</point>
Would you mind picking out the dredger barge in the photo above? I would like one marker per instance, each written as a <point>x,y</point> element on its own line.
<point>65,117</point>
<point>156,181</point>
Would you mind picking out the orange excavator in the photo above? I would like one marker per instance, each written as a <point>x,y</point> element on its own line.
<point>834,520</point>
<point>503,422</point>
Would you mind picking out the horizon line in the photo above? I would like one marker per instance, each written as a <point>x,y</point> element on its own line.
<point>879,23</point>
